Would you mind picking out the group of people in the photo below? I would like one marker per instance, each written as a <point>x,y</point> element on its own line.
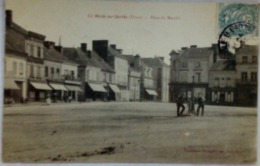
<point>191,104</point>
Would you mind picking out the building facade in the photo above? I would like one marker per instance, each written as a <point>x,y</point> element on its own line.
<point>161,77</point>
<point>246,75</point>
<point>119,64</point>
<point>190,72</point>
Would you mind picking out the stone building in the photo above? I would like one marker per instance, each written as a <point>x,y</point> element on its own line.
<point>119,64</point>
<point>246,75</point>
<point>190,72</point>
<point>61,73</point>
<point>161,77</point>
<point>15,61</point>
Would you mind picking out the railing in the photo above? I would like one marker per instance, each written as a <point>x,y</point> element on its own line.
<point>246,81</point>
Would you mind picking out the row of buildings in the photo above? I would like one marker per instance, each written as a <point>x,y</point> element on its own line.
<point>35,69</point>
<point>200,71</point>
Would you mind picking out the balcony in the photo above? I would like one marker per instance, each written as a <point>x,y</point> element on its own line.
<point>70,78</point>
<point>239,81</point>
<point>33,77</point>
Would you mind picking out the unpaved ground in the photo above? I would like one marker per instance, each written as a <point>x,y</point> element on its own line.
<point>128,133</point>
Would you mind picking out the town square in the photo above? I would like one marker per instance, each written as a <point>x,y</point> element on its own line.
<point>117,81</point>
<point>128,132</point>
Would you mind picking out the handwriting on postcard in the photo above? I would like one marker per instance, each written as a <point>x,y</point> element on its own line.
<point>132,17</point>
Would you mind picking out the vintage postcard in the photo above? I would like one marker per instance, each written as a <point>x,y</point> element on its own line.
<point>139,82</point>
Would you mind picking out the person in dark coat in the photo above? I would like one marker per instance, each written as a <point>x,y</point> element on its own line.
<point>200,106</point>
<point>180,105</point>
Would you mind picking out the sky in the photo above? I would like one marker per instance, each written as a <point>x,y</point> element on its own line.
<point>145,28</point>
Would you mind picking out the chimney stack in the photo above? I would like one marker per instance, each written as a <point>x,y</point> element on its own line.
<point>101,48</point>
<point>9,17</point>
<point>120,51</point>
<point>193,46</point>
<point>59,49</point>
<point>49,44</point>
<point>184,48</point>
<point>113,46</point>
<point>83,47</point>
<point>162,58</point>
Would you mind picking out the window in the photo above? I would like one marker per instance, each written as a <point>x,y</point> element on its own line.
<point>46,71</point>
<point>39,52</point>
<point>21,68</point>
<point>244,76</point>
<point>197,65</point>
<point>228,82</point>
<point>72,73</point>
<point>31,71</point>
<point>197,77</point>
<point>52,72</point>
<point>15,68</point>
<point>254,59</point>
<point>58,71</point>
<point>244,59</point>
<point>216,82</point>
<point>253,76</point>
<point>39,71</point>
<point>31,50</point>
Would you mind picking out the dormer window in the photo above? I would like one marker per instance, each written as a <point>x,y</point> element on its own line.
<point>244,59</point>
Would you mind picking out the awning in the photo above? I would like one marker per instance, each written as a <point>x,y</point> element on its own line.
<point>151,92</point>
<point>97,87</point>
<point>114,88</point>
<point>10,84</point>
<point>41,86</point>
<point>58,86</point>
<point>73,88</point>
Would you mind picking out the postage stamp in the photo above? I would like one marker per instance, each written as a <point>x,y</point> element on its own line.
<point>236,23</point>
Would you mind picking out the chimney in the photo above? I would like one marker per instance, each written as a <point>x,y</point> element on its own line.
<point>83,47</point>
<point>162,58</point>
<point>49,44</point>
<point>8,17</point>
<point>59,49</point>
<point>120,51</point>
<point>101,48</point>
<point>113,46</point>
<point>193,46</point>
<point>184,48</point>
<point>137,60</point>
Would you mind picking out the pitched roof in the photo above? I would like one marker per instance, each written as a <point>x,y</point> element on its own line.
<point>195,52</point>
<point>154,62</point>
<point>52,54</point>
<point>173,52</point>
<point>77,55</point>
<point>115,53</point>
<point>100,62</point>
<point>15,39</point>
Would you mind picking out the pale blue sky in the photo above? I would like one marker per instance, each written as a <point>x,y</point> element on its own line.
<point>196,23</point>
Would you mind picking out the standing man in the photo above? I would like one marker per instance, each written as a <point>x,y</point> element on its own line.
<point>179,104</point>
<point>200,106</point>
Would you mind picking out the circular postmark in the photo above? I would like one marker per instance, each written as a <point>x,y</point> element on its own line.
<point>231,37</point>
